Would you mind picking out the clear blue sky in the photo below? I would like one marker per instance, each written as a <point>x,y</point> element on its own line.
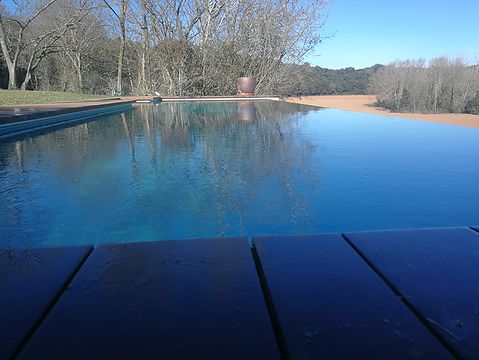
<point>367,32</point>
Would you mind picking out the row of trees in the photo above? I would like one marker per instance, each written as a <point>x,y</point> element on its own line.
<point>442,85</point>
<point>178,47</point>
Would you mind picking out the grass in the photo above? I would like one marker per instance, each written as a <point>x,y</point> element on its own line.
<point>18,97</point>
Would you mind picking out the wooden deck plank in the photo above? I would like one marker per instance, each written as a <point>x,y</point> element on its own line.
<point>29,281</point>
<point>187,299</point>
<point>437,271</point>
<point>331,305</point>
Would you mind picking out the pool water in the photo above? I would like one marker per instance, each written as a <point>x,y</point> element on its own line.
<point>175,171</point>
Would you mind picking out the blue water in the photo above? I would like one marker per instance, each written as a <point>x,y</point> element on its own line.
<point>174,171</point>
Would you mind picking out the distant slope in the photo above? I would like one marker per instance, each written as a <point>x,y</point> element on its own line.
<point>314,80</point>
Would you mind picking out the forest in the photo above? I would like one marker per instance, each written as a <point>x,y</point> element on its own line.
<point>442,85</point>
<point>315,80</point>
<point>199,47</point>
<point>174,47</point>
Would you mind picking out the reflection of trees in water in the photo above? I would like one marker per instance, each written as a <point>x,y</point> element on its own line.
<point>131,143</point>
<point>238,157</point>
<point>220,155</point>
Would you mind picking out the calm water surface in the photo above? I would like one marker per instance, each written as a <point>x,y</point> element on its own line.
<point>175,171</point>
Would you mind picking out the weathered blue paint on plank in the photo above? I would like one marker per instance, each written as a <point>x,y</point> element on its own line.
<point>331,305</point>
<point>437,271</point>
<point>191,299</point>
<point>29,282</point>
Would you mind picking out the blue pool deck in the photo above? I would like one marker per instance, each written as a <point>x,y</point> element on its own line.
<point>370,295</point>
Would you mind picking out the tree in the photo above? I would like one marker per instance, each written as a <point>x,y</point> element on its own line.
<point>178,47</point>
<point>82,42</point>
<point>119,10</point>
<point>204,42</point>
<point>145,62</point>
<point>444,85</point>
<point>12,33</point>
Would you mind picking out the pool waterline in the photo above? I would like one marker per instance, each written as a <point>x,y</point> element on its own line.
<point>174,171</point>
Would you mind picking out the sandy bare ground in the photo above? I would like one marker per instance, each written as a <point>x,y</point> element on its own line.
<point>364,103</point>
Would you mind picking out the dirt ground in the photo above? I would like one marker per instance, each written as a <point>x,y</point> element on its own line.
<point>364,103</point>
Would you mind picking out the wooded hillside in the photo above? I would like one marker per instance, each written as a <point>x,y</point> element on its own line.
<point>314,80</point>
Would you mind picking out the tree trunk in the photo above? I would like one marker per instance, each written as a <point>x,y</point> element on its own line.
<point>11,63</point>
<point>142,77</point>
<point>79,70</point>
<point>12,76</point>
<point>121,53</point>
<point>80,82</point>
<point>142,81</point>
<point>28,77</point>
<point>121,56</point>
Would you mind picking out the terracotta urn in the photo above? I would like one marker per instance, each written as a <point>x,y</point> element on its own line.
<point>246,85</point>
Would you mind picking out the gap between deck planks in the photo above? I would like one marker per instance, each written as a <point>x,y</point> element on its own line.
<point>330,304</point>
<point>174,300</point>
<point>31,281</point>
<point>436,272</point>
<point>280,335</point>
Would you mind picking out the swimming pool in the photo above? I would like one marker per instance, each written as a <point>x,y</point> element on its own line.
<point>185,170</point>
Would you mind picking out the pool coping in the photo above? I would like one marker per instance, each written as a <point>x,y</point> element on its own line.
<point>219,98</point>
<point>16,113</point>
<point>39,121</point>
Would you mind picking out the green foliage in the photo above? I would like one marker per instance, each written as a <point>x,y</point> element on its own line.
<point>308,80</point>
<point>472,107</point>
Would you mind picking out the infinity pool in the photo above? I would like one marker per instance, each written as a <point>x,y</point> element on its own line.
<point>174,171</point>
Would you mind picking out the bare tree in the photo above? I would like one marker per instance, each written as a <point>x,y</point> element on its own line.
<point>217,40</point>
<point>445,85</point>
<point>80,43</point>
<point>145,62</point>
<point>38,36</point>
<point>179,47</point>
<point>139,34</point>
<point>12,33</point>
<point>119,9</point>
